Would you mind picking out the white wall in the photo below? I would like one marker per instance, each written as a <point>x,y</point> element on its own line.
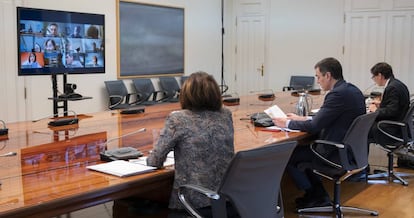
<point>202,52</point>
<point>301,33</point>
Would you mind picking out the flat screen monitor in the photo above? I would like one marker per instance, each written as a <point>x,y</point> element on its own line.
<point>59,42</point>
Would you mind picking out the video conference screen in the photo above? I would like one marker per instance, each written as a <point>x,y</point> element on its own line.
<point>58,42</point>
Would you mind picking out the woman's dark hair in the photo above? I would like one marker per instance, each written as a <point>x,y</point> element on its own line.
<point>330,65</point>
<point>382,68</point>
<point>34,55</point>
<point>92,32</point>
<point>200,92</point>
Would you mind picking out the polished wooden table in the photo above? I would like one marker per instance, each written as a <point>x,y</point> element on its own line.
<point>48,176</point>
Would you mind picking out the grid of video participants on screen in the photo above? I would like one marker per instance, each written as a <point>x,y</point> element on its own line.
<point>60,45</point>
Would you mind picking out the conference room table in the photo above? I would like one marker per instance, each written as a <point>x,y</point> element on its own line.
<point>48,176</point>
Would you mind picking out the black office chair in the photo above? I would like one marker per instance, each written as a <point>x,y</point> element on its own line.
<point>171,88</point>
<point>251,183</point>
<point>300,83</point>
<point>119,98</point>
<point>353,155</point>
<point>183,79</point>
<point>403,139</point>
<point>147,94</point>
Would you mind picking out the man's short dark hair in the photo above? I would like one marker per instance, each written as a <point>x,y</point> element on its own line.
<point>382,68</point>
<point>330,65</point>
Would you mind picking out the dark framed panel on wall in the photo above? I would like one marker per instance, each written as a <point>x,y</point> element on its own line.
<point>151,40</point>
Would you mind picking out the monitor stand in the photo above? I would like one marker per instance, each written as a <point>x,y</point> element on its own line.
<point>56,100</point>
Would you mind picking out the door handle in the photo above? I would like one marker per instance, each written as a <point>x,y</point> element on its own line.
<point>261,69</point>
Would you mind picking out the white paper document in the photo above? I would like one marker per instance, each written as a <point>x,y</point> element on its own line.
<point>121,168</point>
<point>143,160</point>
<point>275,111</point>
<point>276,128</point>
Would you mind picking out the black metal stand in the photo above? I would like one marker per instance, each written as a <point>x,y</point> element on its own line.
<point>56,100</point>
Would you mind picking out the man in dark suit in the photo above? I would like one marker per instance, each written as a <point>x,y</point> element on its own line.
<point>394,103</point>
<point>343,103</point>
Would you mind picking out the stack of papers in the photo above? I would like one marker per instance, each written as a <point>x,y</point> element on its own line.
<point>121,168</point>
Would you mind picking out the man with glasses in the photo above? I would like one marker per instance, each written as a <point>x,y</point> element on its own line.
<point>393,104</point>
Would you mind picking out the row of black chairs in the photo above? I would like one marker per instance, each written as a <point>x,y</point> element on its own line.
<point>145,93</point>
<point>120,98</point>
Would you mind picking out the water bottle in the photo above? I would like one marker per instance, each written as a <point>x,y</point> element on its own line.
<point>303,106</point>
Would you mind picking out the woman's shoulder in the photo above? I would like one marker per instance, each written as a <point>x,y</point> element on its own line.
<point>179,114</point>
<point>188,113</point>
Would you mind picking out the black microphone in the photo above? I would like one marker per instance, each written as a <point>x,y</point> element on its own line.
<point>122,153</point>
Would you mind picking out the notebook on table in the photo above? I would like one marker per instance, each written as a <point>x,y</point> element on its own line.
<point>121,168</point>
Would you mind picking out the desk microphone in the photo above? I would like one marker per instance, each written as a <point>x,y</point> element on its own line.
<point>122,153</point>
<point>125,135</point>
<point>265,94</point>
<point>133,110</point>
<point>9,154</point>
<point>61,121</point>
<point>231,100</point>
<point>365,92</point>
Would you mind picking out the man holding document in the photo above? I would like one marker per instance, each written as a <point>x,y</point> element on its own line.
<point>342,104</point>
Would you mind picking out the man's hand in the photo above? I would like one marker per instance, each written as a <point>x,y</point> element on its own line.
<point>280,121</point>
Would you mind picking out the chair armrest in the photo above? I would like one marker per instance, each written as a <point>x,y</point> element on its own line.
<point>328,143</point>
<point>155,95</point>
<point>381,128</point>
<point>207,192</point>
<point>115,97</point>
<point>137,98</point>
<point>287,88</point>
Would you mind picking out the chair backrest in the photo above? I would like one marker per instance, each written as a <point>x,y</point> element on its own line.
<point>252,180</point>
<point>144,88</point>
<point>301,82</point>
<point>409,121</point>
<point>116,87</point>
<point>356,142</point>
<point>183,79</point>
<point>169,85</point>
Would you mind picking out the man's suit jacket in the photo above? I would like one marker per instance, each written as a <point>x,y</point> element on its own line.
<point>395,101</point>
<point>394,105</point>
<point>341,106</point>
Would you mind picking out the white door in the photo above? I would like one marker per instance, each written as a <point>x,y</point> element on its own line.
<point>364,46</point>
<point>400,45</point>
<point>372,37</point>
<point>250,66</point>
